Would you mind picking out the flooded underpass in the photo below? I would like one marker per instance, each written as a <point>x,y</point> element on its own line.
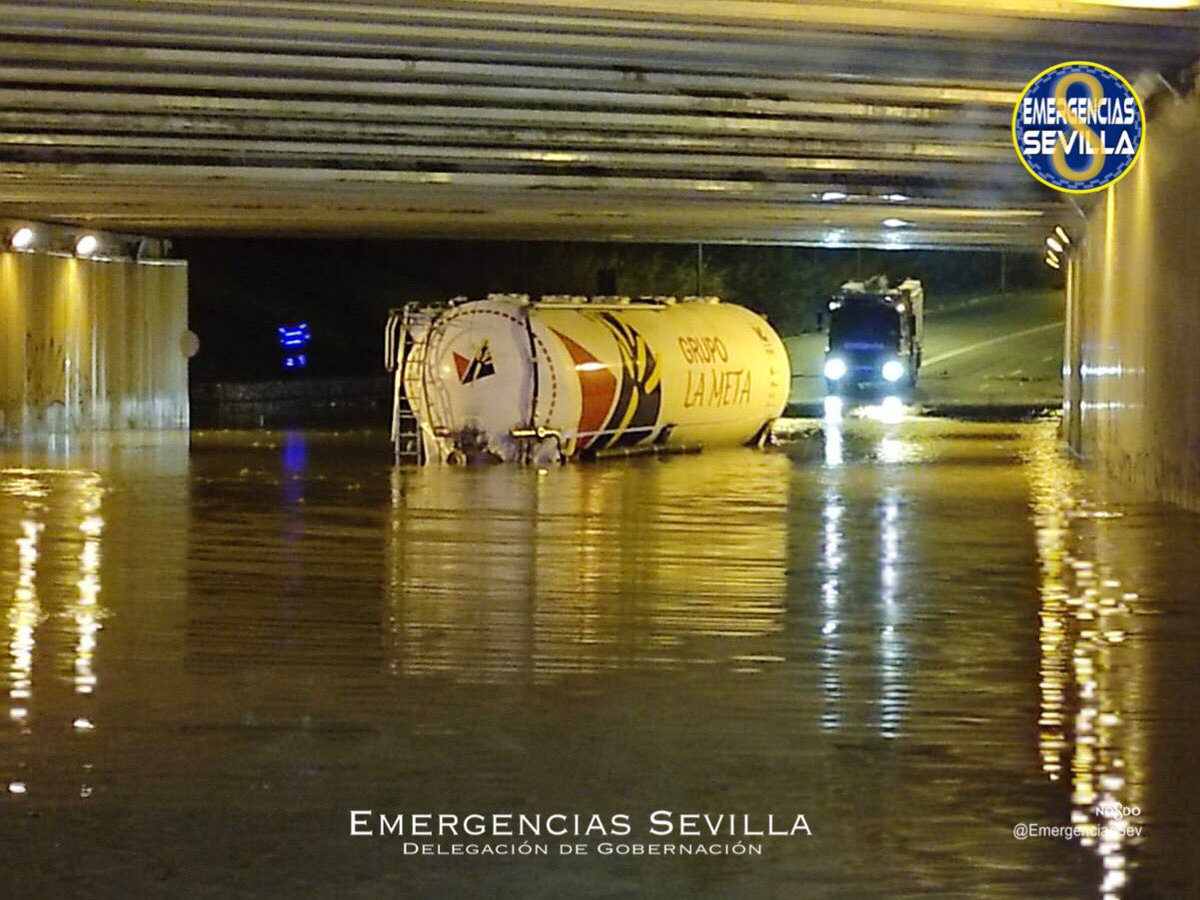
<point>239,666</point>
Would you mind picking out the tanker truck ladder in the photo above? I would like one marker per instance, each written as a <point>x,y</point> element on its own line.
<point>409,446</point>
<point>403,349</point>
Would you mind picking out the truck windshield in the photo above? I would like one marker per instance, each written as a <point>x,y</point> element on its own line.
<point>873,323</point>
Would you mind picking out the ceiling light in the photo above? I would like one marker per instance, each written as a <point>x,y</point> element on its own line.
<point>22,238</point>
<point>86,245</point>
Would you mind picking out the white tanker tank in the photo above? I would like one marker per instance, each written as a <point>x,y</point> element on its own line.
<point>514,380</point>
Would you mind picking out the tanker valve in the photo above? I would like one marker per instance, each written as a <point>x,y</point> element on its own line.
<point>539,433</point>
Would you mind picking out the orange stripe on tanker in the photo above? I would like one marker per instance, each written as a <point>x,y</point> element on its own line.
<point>597,387</point>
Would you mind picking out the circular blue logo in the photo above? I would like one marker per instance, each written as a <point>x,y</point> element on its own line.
<point>1077,127</point>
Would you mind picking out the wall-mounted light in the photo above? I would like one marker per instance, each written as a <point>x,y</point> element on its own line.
<point>1053,244</point>
<point>1052,260</point>
<point>86,245</point>
<point>829,196</point>
<point>50,237</point>
<point>893,222</point>
<point>895,198</point>
<point>22,238</point>
<point>1062,236</point>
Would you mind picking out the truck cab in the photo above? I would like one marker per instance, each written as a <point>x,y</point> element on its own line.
<point>874,335</point>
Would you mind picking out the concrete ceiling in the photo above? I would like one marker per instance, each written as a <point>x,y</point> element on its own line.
<point>618,120</point>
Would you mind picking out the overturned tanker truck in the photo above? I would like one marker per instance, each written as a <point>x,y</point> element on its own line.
<point>511,379</point>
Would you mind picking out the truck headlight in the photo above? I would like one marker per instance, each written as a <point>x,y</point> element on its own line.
<point>835,368</point>
<point>893,370</point>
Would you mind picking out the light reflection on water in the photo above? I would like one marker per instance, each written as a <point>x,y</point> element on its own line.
<point>891,642</point>
<point>1085,703</point>
<point>831,566</point>
<point>41,496</point>
<point>539,577</point>
<point>909,630</point>
<point>890,447</point>
<point>23,616</point>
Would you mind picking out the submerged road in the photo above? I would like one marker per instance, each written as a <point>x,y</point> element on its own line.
<point>990,351</point>
<point>921,635</point>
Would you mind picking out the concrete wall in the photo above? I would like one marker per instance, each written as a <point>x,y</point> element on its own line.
<point>91,344</point>
<point>294,403</point>
<point>1132,391</point>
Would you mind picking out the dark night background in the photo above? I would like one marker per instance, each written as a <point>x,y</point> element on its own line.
<point>241,290</point>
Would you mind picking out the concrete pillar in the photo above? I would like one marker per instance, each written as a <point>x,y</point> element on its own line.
<point>1135,308</point>
<point>91,344</point>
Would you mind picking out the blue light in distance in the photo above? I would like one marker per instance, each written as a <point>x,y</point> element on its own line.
<point>292,338</point>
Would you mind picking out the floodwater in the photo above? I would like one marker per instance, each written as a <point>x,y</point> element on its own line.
<point>918,634</point>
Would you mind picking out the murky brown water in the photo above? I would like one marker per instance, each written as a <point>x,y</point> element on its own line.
<point>918,635</point>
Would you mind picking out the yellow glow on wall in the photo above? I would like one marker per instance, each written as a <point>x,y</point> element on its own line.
<point>1148,4</point>
<point>91,343</point>
<point>1135,332</point>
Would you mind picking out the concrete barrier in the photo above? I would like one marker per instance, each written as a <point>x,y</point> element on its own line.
<point>91,344</point>
<point>293,403</point>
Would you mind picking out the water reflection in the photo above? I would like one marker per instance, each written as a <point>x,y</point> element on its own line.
<point>886,624</point>
<point>831,585</point>
<point>1089,675</point>
<point>508,574</point>
<point>23,617</point>
<point>870,431</point>
<point>831,426</point>
<point>86,613</point>
<point>890,410</point>
<point>891,646</point>
<point>296,627</point>
<point>69,501</point>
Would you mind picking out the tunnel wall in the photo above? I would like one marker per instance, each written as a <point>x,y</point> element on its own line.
<point>1132,373</point>
<point>91,344</point>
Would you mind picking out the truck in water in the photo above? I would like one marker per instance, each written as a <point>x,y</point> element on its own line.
<point>510,379</point>
<point>875,334</point>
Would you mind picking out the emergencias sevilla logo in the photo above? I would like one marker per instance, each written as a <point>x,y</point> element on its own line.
<point>1077,127</point>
